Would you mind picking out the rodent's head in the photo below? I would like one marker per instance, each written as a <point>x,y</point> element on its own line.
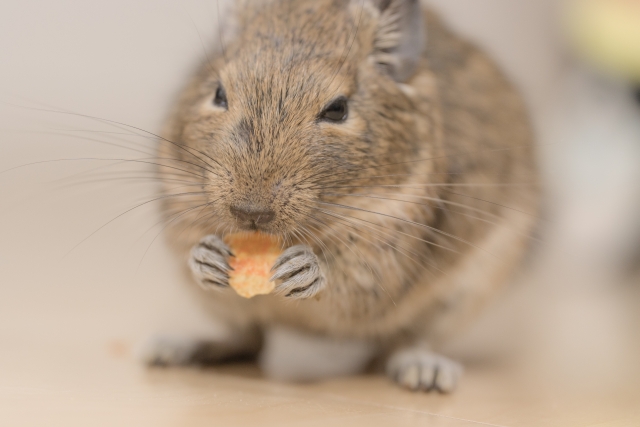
<point>303,93</point>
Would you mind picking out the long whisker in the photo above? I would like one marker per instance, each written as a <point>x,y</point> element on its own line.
<point>204,50</point>
<point>417,224</point>
<point>363,259</point>
<point>204,218</point>
<point>437,207</point>
<point>303,231</point>
<point>360,257</point>
<point>197,218</point>
<point>418,186</point>
<point>180,214</point>
<point>492,150</point>
<point>418,263</point>
<point>395,175</point>
<point>135,180</point>
<point>99,159</point>
<point>164,220</point>
<point>346,218</point>
<point>220,34</point>
<point>433,199</point>
<point>179,146</point>
<point>496,204</point>
<point>150,151</point>
<point>151,174</point>
<point>131,209</point>
<point>475,198</point>
<point>428,242</point>
<point>322,245</point>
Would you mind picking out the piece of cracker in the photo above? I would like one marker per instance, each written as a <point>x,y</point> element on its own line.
<point>255,254</point>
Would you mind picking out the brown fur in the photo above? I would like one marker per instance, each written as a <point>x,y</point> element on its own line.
<point>407,151</point>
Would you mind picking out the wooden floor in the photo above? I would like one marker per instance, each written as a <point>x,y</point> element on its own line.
<point>51,387</point>
<point>99,383</point>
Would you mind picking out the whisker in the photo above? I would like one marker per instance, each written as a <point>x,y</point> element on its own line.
<point>339,240</point>
<point>396,175</point>
<point>135,180</point>
<point>428,242</point>
<point>204,218</point>
<point>445,156</point>
<point>448,202</point>
<point>143,173</point>
<point>204,50</point>
<point>98,159</point>
<point>179,214</point>
<point>438,207</point>
<point>346,218</point>
<point>418,186</point>
<point>168,215</point>
<point>496,204</point>
<point>361,257</point>
<point>417,224</point>
<point>129,210</point>
<point>150,151</point>
<point>197,218</point>
<point>202,206</point>
<point>114,122</point>
<point>415,261</point>
<point>322,245</point>
<point>224,51</point>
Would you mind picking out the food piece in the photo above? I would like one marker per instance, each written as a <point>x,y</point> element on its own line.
<point>255,254</point>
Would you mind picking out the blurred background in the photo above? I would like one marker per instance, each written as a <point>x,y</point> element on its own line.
<point>77,276</point>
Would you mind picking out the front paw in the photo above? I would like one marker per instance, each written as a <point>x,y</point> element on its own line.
<point>297,273</point>
<point>209,262</point>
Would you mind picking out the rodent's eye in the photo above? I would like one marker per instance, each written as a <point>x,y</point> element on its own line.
<point>336,112</point>
<point>220,99</point>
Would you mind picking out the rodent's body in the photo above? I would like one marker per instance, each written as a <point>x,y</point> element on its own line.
<point>437,171</point>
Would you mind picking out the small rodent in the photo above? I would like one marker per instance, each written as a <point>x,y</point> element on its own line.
<point>392,156</point>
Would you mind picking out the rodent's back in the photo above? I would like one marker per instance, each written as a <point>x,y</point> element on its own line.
<point>488,136</point>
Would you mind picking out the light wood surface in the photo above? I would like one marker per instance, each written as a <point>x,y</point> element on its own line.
<point>96,382</point>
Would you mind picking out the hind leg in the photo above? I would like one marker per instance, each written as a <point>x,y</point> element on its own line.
<point>185,351</point>
<point>419,369</point>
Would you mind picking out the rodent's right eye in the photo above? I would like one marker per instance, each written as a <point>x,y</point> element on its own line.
<point>220,100</point>
<point>336,112</point>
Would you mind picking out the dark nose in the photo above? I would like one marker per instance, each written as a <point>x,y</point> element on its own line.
<point>255,215</point>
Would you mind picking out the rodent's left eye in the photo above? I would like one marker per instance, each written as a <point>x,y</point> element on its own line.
<point>220,99</point>
<point>336,112</point>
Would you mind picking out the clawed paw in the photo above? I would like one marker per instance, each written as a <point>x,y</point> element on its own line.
<point>297,273</point>
<point>209,262</point>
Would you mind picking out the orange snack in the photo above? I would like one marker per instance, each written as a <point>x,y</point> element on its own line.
<point>255,254</point>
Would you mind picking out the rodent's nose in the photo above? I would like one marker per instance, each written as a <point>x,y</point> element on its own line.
<point>256,215</point>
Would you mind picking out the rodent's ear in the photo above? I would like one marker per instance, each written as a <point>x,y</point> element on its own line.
<point>400,36</point>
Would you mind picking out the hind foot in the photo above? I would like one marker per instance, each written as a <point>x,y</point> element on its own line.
<point>195,352</point>
<point>418,369</point>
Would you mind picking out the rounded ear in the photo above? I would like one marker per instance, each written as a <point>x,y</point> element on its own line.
<point>400,37</point>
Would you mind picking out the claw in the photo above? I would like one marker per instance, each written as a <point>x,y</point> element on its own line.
<point>299,273</point>
<point>287,255</point>
<point>209,262</point>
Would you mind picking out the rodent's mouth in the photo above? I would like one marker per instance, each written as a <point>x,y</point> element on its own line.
<point>254,226</point>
